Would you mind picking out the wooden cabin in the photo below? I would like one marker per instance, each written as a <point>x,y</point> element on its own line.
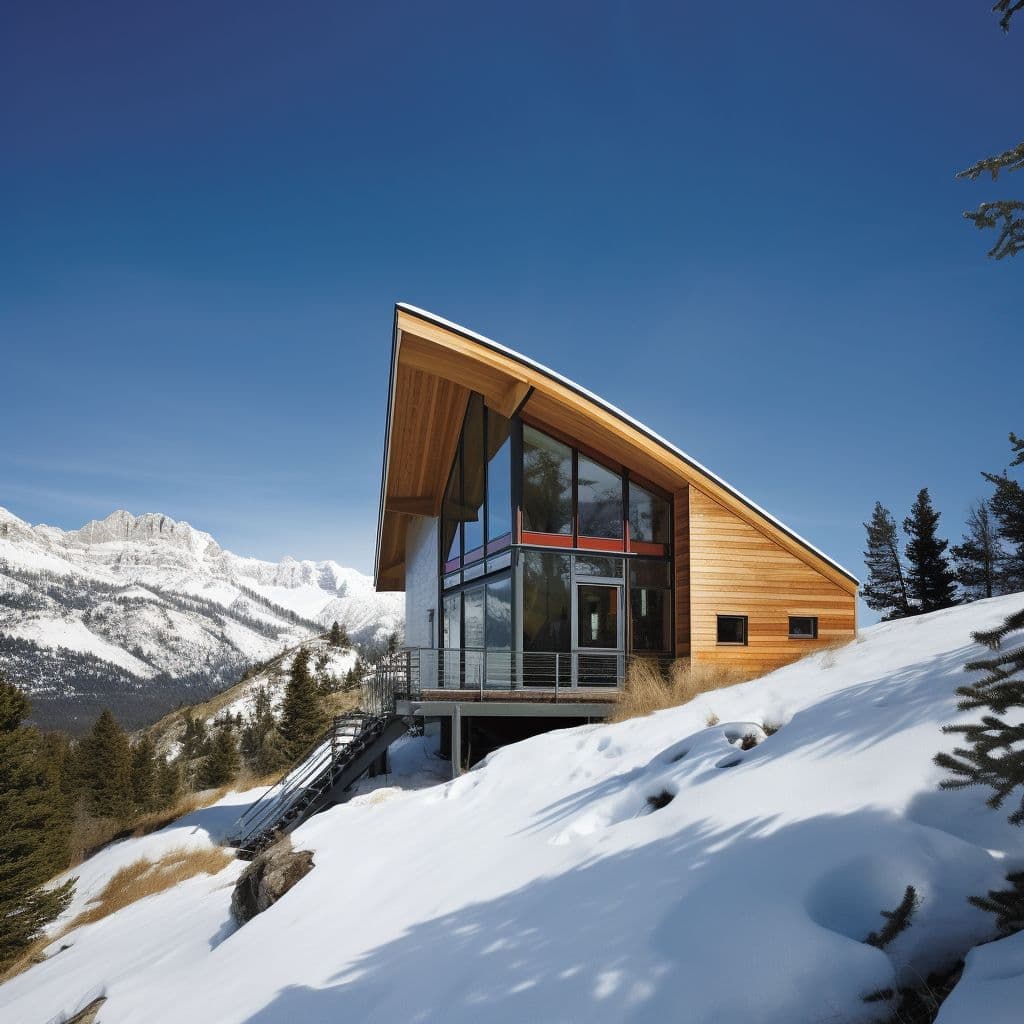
<point>544,538</point>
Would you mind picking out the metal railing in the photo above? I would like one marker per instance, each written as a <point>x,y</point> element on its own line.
<point>313,775</point>
<point>406,673</point>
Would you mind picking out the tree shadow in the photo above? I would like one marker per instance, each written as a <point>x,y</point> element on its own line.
<point>680,928</point>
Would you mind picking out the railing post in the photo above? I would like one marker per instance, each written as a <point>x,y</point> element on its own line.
<point>557,658</point>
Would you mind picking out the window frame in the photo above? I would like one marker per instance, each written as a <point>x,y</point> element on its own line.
<point>804,636</point>
<point>745,619</point>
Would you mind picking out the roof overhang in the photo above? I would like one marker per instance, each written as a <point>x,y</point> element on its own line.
<point>435,364</point>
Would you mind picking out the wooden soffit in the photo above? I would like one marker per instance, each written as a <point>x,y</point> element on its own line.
<point>437,364</point>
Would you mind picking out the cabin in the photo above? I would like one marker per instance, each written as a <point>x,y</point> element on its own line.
<point>544,539</point>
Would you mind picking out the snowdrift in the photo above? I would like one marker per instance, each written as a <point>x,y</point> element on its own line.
<point>544,886</point>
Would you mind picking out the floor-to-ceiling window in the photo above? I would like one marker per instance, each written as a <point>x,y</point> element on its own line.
<point>476,554</point>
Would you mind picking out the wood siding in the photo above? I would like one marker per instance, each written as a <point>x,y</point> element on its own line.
<point>681,556</point>
<point>736,569</point>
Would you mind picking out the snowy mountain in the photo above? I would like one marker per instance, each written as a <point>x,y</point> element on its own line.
<point>545,886</point>
<point>141,612</point>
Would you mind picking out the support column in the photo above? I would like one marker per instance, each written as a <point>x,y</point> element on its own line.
<point>456,741</point>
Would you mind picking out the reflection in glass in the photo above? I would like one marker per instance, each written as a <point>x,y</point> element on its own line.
<point>473,475</point>
<point>598,616</point>
<point>473,635</point>
<point>547,483</point>
<point>599,500</point>
<point>452,639</point>
<point>599,565</point>
<point>546,601</point>
<point>650,517</point>
<point>499,481</point>
<point>451,535</point>
<point>650,605</point>
<point>498,632</point>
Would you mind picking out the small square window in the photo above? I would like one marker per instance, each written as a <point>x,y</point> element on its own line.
<point>803,627</point>
<point>732,629</point>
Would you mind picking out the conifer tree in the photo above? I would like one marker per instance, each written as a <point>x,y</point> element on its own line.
<point>338,636</point>
<point>261,743</point>
<point>1007,505</point>
<point>168,782</point>
<point>977,558</point>
<point>885,589</point>
<point>222,763</point>
<point>106,768</point>
<point>302,718</point>
<point>1005,215</point>
<point>144,776</point>
<point>34,833</point>
<point>195,741</point>
<point>930,580</point>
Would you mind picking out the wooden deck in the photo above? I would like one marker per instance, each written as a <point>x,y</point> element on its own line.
<point>527,695</point>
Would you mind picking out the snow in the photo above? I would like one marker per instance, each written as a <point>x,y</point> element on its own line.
<point>76,636</point>
<point>542,886</point>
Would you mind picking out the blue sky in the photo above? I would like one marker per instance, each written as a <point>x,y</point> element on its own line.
<point>737,222</point>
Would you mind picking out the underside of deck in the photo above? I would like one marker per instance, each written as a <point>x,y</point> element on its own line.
<point>527,695</point>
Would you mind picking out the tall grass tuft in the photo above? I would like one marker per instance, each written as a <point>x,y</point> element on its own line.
<point>646,689</point>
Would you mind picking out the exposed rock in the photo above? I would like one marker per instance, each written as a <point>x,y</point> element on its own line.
<point>87,1015</point>
<point>268,878</point>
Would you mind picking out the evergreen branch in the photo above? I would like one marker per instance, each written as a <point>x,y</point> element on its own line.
<point>1011,160</point>
<point>1007,8</point>
<point>897,920</point>
<point>1004,214</point>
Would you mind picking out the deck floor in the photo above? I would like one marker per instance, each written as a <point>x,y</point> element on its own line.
<point>527,695</point>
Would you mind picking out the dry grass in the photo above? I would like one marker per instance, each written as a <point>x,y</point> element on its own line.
<point>29,957</point>
<point>89,835</point>
<point>647,689</point>
<point>146,878</point>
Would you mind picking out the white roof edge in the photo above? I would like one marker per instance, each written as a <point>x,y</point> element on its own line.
<point>555,375</point>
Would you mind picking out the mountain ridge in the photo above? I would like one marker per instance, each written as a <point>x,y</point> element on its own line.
<point>141,612</point>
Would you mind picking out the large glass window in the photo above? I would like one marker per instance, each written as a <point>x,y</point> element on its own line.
<point>650,517</point>
<point>451,668</point>
<point>650,605</point>
<point>498,632</point>
<point>474,468</point>
<point>547,483</point>
<point>547,603</point>
<point>599,500</point>
<point>499,481</point>
<point>597,615</point>
<point>451,518</point>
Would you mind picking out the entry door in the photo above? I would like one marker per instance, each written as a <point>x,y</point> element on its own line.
<point>599,633</point>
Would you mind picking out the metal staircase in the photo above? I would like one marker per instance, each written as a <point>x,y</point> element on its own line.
<point>345,751</point>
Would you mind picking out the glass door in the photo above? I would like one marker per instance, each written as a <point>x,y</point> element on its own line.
<point>599,641</point>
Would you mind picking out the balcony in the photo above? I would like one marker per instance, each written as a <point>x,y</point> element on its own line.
<point>477,674</point>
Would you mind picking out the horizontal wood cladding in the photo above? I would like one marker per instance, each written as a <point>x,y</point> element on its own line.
<point>681,552</point>
<point>736,569</point>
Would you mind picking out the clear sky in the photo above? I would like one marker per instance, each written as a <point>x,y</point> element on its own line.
<point>738,222</point>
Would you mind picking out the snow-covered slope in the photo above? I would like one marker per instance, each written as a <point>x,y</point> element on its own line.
<point>141,612</point>
<point>543,887</point>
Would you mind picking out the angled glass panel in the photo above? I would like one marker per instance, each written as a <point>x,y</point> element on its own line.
<point>499,481</point>
<point>598,500</point>
<point>547,603</point>
<point>451,526</point>
<point>473,480</point>
<point>547,483</point>
<point>650,517</point>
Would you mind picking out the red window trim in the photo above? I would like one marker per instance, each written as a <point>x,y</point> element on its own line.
<point>547,540</point>
<point>643,547</point>
<point>602,543</point>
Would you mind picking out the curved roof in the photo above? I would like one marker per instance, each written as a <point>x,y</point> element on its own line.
<point>436,363</point>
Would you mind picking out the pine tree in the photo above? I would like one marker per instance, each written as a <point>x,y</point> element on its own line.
<point>34,836</point>
<point>992,755</point>
<point>978,557</point>
<point>222,763</point>
<point>302,718</point>
<point>1006,215</point>
<point>1007,505</point>
<point>106,769</point>
<point>338,636</point>
<point>195,741</point>
<point>930,580</point>
<point>144,776</point>
<point>886,588</point>
<point>168,782</point>
<point>261,743</point>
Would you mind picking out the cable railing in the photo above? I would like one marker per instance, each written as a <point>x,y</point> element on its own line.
<point>407,673</point>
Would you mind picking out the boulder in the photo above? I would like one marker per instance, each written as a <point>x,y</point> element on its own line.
<point>271,874</point>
